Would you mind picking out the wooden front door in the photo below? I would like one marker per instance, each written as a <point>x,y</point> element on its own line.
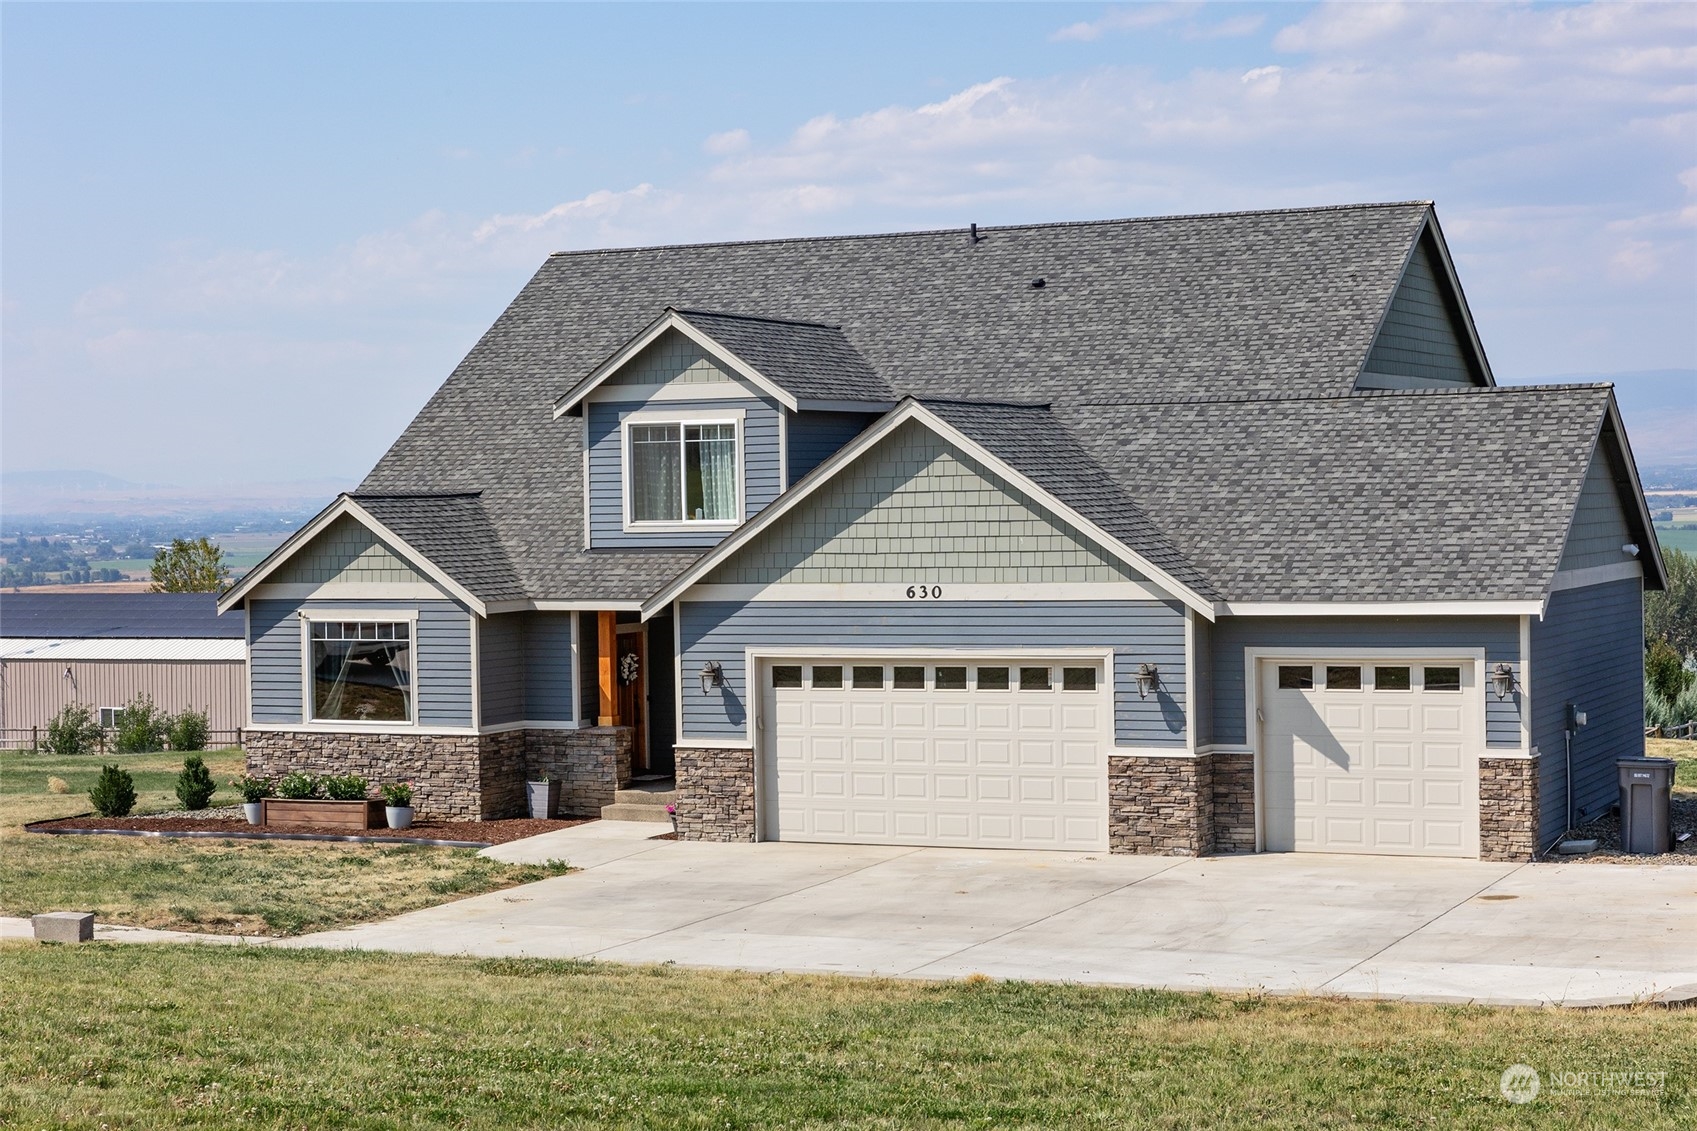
<point>631,674</point>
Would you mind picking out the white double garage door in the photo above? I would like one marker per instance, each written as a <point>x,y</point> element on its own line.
<point>1362,756</point>
<point>992,753</point>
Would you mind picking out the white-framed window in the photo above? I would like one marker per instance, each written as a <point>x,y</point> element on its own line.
<point>682,471</point>
<point>109,717</point>
<point>360,670</point>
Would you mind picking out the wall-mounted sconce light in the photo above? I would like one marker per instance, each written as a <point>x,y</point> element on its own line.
<point>1630,549</point>
<point>1502,681</point>
<point>1148,679</point>
<point>712,675</point>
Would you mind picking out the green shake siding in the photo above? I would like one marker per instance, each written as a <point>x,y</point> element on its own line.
<point>915,509</point>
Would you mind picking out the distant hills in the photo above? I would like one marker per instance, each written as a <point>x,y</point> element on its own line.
<point>90,494</point>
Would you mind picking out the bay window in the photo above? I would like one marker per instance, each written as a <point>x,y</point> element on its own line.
<point>681,471</point>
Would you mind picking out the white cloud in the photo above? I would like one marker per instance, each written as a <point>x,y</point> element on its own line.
<point>731,141</point>
<point>1135,18</point>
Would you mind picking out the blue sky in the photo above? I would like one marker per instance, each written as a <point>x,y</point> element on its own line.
<point>246,242</point>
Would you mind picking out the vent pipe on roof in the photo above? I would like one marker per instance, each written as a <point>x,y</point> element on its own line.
<point>972,233</point>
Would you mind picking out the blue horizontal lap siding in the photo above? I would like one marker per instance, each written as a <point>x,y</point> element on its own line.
<point>762,475</point>
<point>441,662</point>
<point>1588,650</point>
<point>500,668</point>
<point>1138,631</point>
<point>548,667</point>
<point>1230,636</point>
<point>815,437</point>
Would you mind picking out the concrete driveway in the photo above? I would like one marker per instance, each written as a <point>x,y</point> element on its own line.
<point>1431,930</point>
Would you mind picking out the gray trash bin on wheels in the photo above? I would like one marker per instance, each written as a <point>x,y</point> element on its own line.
<point>1646,787</point>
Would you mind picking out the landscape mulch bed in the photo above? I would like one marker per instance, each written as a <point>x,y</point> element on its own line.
<point>480,832</point>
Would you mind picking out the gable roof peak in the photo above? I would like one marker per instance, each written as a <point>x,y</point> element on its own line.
<point>688,312</point>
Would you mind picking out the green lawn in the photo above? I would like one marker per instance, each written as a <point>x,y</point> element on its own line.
<point>1684,774</point>
<point>159,1037</point>
<point>222,886</point>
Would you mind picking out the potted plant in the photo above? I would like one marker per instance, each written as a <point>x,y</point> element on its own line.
<point>397,804</point>
<point>672,812</point>
<point>544,796</point>
<point>254,791</point>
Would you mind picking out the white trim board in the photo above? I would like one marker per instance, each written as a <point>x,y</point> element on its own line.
<point>1379,608</point>
<point>1596,575</point>
<point>913,410</point>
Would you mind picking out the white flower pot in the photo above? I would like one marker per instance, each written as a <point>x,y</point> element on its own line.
<point>400,816</point>
<point>250,810</point>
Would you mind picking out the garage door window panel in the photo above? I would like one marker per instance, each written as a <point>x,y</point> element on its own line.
<point>1442,679</point>
<point>992,679</point>
<point>1346,678</point>
<point>1293,677</point>
<point>1392,679</point>
<point>831,676</point>
<point>1034,679</point>
<point>951,679</point>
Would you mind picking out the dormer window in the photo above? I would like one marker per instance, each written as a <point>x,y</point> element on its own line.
<point>681,472</point>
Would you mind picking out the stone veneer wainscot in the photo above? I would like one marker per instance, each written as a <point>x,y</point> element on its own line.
<point>1508,808</point>
<point>715,793</point>
<point>459,777</point>
<point>1160,806</point>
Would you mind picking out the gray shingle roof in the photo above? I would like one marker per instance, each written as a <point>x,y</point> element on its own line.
<point>1251,303</point>
<point>454,532</point>
<point>1031,440</point>
<point>811,361</point>
<point>1460,495</point>
<point>134,616</point>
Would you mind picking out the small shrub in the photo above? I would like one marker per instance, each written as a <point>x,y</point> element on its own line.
<point>195,786</point>
<point>1658,712</point>
<point>297,786</point>
<point>58,785</point>
<point>114,795</point>
<point>189,731</point>
<point>398,796</point>
<point>1665,671</point>
<point>253,790</point>
<point>72,731</point>
<point>141,726</point>
<point>344,787</point>
<point>1684,709</point>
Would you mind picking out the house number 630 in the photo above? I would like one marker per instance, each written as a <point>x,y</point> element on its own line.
<point>924,592</point>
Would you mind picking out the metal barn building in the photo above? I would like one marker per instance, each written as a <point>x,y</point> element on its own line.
<point>104,649</point>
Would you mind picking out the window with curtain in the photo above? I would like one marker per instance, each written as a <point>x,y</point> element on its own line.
<point>362,670</point>
<point>683,472</point>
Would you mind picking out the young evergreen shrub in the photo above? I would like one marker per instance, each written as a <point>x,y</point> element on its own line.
<point>114,795</point>
<point>141,726</point>
<point>188,731</point>
<point>72,731</point>
<point>1665,670</point>
<point>296,786</point>
<point>195,786</point>
<point>1684,709</point>
<point>344,787</point>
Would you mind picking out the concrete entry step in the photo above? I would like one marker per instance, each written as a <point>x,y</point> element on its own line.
<point>621,811</point>
<point>644,800</point>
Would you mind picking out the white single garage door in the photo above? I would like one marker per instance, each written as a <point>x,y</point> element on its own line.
<point>986,754</point>
<point>1371,756</point>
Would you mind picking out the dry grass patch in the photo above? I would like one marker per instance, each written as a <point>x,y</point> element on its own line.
<point>214,1037</point>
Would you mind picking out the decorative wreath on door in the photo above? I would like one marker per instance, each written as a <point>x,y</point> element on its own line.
<point>629,667</point>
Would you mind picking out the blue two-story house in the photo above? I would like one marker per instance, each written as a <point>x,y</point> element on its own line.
<point>1180,535</point>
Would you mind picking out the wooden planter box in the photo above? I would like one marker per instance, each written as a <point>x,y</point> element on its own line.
<point>277,812</point>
